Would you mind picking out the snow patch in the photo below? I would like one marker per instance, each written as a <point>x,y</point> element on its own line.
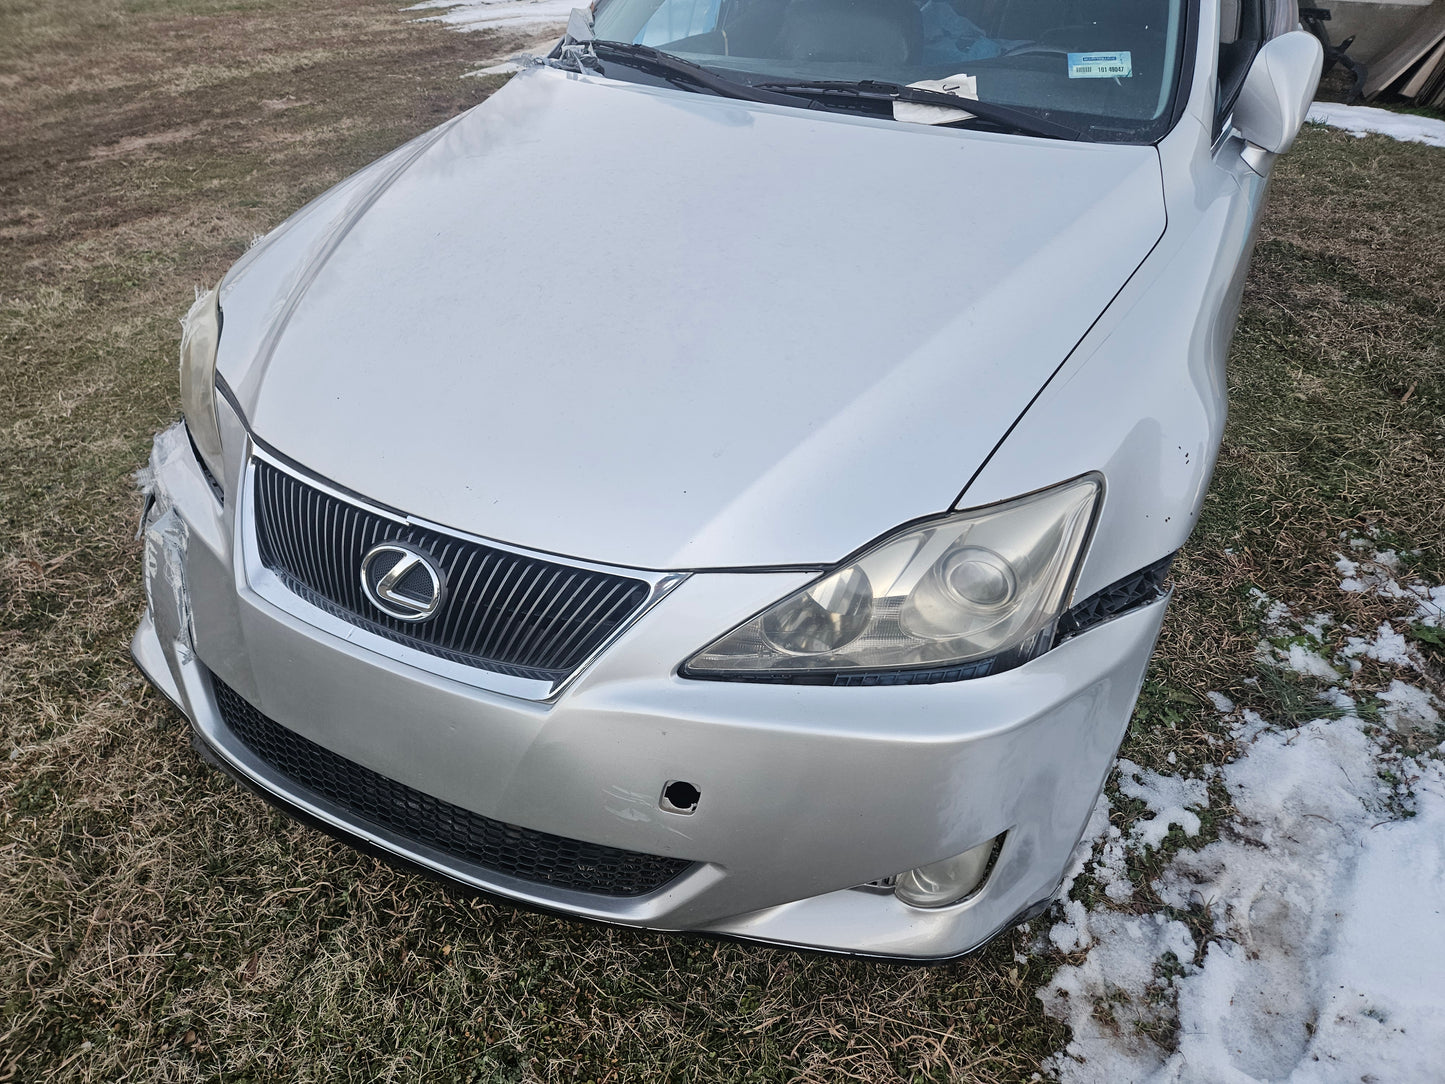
<point>1388,646</point>
<point>532,26</point>
<point>1431,609</point>
<point>1276,614</point>
<point>1316,626</point>
<point>504,67</point>
<point>1307,941</point>
<point>1363,120</point>
<point>1168,798</point>
<point>1106,998</point>
<point>1318,964</point>
<point>1376,576</point>
<point>1302,660</point>
<point>1383,1014</point>
<point>1407,706</point>
<point>1111,868</point>
<point>527,15</point>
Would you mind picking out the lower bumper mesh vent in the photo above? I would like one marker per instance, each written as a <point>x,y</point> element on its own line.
<point>503,848</point>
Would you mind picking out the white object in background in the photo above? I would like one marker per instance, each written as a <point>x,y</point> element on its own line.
<point>1363,120</point>
<point>517,15</point>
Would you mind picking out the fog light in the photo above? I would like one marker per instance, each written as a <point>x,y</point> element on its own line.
<point>953,879</point>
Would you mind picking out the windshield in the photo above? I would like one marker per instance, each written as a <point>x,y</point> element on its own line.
<point>1108,68</point>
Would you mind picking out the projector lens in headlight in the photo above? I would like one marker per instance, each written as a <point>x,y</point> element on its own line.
<point>979,578</point>
<point>980,586</point>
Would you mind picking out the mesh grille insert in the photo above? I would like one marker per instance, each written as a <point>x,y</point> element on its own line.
<point>502,848</point>
<point>502,611</point>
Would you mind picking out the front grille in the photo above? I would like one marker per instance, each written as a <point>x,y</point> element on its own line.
<point>493,845</point>
<point>502,611</point>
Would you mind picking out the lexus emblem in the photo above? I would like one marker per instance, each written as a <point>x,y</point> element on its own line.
<point>401,581</point>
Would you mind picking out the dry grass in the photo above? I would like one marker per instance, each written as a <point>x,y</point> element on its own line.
<point>160,924</point>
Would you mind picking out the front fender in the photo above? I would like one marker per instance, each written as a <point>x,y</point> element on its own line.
<point>1142,398</point>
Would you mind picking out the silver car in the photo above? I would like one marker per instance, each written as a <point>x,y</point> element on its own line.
<point>726,481</point>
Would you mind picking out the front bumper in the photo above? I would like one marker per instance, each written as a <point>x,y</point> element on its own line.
<point>806,791</point>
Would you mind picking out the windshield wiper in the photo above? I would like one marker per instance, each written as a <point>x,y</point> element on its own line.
<point>1018,120</point>
<point>674,68</point>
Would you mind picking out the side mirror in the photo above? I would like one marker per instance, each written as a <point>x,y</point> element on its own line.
<point>1278,90</point>
<point>579,25</point>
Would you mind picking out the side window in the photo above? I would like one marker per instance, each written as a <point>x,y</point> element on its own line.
<point>1241,33</point>
<point>675,20</point>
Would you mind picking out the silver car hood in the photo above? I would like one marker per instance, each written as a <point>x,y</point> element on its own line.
<point>667,330</point>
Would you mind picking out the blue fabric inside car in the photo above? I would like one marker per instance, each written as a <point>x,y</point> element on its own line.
<point>951,38</point>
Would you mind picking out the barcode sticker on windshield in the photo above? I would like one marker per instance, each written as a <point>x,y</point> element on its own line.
<point>1100,65</point>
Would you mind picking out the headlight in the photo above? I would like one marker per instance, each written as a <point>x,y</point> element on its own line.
<point>200,336</point>
<point>975,592</point>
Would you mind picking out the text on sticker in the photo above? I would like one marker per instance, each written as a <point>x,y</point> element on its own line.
<point>1101,65</point>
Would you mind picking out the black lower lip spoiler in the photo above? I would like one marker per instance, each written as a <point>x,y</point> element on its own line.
<point>463,890</point>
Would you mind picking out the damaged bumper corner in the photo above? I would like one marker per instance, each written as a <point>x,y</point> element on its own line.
<point>171,479</point>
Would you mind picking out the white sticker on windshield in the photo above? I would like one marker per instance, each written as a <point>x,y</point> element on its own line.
<point>1100,65</point>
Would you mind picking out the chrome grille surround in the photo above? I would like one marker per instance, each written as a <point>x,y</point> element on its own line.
<point>515,621</point>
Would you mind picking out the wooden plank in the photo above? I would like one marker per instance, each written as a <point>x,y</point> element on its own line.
<point>1434,88</point>
<point>1425,73</point>
<point>1424,34</point>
